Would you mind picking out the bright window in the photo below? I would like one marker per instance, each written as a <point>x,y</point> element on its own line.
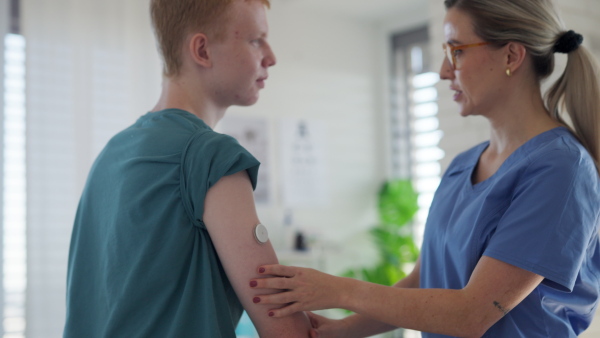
<point>415,126</point>
<point>14,246</point>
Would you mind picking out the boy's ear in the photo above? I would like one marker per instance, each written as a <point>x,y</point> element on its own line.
<point>198,48</point>
<point>515,55</point>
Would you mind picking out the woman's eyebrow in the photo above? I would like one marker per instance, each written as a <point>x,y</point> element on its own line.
<point>454,42</point>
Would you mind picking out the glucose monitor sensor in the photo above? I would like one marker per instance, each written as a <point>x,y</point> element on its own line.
<point>261,234</point>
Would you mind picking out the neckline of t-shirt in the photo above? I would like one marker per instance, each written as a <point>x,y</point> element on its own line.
<point>524,148</point>
<point>176,111</point>
<point>171,111</point>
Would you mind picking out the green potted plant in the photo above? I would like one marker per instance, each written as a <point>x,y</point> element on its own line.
<point>397,205</point>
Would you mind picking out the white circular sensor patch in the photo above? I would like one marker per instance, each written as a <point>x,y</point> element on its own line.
<point>261,234</point>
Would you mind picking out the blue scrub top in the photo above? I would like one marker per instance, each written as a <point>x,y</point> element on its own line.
<point>540,212</point>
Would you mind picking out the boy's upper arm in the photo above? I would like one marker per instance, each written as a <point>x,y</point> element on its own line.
<point>230,217</point>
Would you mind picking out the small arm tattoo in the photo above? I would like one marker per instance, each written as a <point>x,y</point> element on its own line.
<point>501,308</point>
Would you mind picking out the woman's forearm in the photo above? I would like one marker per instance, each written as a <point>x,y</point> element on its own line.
<point>384,308</point>
<point>362,326</point>
<point>494,289</point>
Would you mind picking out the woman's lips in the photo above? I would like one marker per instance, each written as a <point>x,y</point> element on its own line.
<point>457,95</point>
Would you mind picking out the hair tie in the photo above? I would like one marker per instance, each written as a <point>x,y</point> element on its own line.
<point>568,42</point>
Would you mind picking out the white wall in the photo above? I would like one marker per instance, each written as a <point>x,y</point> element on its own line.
<point>91,69</point>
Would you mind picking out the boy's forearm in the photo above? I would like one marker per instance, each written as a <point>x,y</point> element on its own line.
<point>294,326</point>
<point>359,326</point>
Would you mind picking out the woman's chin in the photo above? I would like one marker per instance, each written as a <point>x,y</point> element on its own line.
<point>465,110</point>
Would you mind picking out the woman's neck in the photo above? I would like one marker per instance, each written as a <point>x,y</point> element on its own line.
<point>519,119</point>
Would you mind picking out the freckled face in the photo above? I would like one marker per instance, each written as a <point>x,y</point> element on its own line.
<point>241,60</point>
<point>476,82</point>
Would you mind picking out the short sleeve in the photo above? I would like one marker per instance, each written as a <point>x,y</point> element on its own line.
<point>551,219</point>
<point>207,157</point>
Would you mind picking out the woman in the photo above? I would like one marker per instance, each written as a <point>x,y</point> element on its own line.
<point>511,247</point>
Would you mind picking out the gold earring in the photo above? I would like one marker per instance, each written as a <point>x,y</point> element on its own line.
<point>508,72</point>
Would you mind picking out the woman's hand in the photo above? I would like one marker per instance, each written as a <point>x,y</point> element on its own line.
<point>302,289</point>
<point>324,327</point>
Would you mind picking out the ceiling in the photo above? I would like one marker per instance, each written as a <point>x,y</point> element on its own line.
<point>370,10</point>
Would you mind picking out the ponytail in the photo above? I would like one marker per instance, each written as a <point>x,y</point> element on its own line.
<point>578,91</point>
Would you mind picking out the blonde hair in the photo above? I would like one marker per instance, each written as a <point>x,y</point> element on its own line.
<point>537,25</point>
<point>173,20</point>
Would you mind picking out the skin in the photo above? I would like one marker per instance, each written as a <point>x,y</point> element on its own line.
<point>514,107</point>
<point>230,217</point>
<point>216,75</point>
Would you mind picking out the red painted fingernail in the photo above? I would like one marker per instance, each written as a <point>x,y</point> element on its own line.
<point>271,314</point>
<point>253,283</point>
<point>261,270</point>
<point>256,300</point>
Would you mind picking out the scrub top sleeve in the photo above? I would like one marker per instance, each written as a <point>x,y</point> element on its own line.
<point>551,218</point>
<point>208,157</point>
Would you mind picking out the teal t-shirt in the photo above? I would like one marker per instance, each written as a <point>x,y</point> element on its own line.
<point>141,262</point>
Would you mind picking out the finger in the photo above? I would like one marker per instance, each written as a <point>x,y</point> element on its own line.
<point>277,270</point>
<point>275,298</point>
<point>285,311</point>
<point>278,283</point>
<point>314,333</point>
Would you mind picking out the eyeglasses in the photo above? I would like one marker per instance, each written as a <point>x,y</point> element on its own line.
<point>452,52</point>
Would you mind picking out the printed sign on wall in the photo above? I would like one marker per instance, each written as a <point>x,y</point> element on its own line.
<point>253,134</point>
<point>303,165</point>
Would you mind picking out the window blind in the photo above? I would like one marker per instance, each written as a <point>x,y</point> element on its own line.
<point>4,24</point>
<point>14,186</point>
<point>415,125</point>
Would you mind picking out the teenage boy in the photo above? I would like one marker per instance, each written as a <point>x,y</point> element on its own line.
<point>163,243</point>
